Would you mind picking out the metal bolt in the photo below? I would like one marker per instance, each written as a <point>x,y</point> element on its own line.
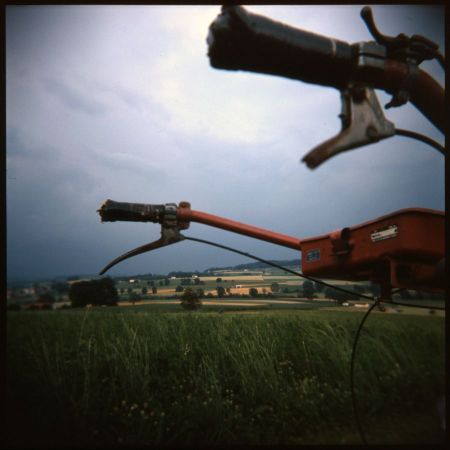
<point>359,93</point>
<point>372,133</point>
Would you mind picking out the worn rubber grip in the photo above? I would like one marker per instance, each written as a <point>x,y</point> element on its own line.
<point>239,40</point>
<point>112,211</point>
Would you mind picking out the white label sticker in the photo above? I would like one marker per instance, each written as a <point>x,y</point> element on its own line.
<point>313,255</point>
<point>385,233</point>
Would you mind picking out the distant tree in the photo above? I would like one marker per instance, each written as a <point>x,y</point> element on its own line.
<point>329,293</point>
<point>13,307</point>
<point>134,297</point>
<point>190,300</point>
<point>220,291</point>
<point>334,294</point>
<point>359,288</point>
<point>94,292</point>
<point>374,289</point>
<point>60,287</point>
<point>43,306</point>
<point>46,297</point>
<point>180,274</point>
<point>308,289</point>
<point>161,283</point>
<point>166,282</point>
<point>341,297</point>
<point>253,292</point>
<point>200,292</point>
<point>219,280</point>
<point>14,293</point>
<point>154,289</point>
<point>130,291</point>
<point>275,287</point>
<point>73,278</point>
<point>319,287</point>
<point>197,280</point>
<point>150,283</point>
<point>179,288</point>
<point>38,289</point>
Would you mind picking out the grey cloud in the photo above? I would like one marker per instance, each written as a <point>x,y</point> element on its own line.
<point>127,162</point>
<point>74,98</point>
<point>14,144</point>
<point>134,138</point>
<point>129,97</point>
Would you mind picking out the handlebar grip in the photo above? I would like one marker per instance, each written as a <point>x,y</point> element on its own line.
<point>239,40</point>
<point>112,211</point>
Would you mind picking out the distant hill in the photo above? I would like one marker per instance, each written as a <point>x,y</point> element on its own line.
<point>17,282</point>
<point>258,265</point>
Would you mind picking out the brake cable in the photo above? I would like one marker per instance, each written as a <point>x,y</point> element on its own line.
<point>215,244</point>
<point>352,358</point>
<point>299,274</point>
<point>420,137</point>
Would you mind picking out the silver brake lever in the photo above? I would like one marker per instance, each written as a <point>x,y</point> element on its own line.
<point>169,235</point>
<point>363,123</point>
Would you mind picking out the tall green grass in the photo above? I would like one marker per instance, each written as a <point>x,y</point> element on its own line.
<point>104,378</point>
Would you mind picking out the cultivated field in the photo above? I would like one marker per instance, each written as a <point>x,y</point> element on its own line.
<point>155,374</point>
<point>237,284</point>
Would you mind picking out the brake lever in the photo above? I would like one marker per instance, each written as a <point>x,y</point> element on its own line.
<point>363,123</point>
<point>169,235</point>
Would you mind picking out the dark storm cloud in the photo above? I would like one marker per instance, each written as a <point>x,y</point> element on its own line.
<point>121,103</point>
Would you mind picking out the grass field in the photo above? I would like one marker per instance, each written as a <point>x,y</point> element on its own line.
<point>143,376</point>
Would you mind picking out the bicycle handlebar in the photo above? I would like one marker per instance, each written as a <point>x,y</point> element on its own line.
<point>171,215</point>
<point>111,211</point>
<point>240,40</point>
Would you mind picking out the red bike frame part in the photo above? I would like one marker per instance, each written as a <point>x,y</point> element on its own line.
<point>403,249</point>
<point>185,214</point>
<point>426,94</point>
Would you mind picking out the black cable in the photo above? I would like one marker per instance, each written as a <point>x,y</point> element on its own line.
<point>278,267</point>
<point>420,137</point>
<point>352,364</point>
<point>377,301</point>
<point>352,360</point>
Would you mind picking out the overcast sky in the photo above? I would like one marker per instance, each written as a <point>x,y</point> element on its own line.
<point>121,102</point>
